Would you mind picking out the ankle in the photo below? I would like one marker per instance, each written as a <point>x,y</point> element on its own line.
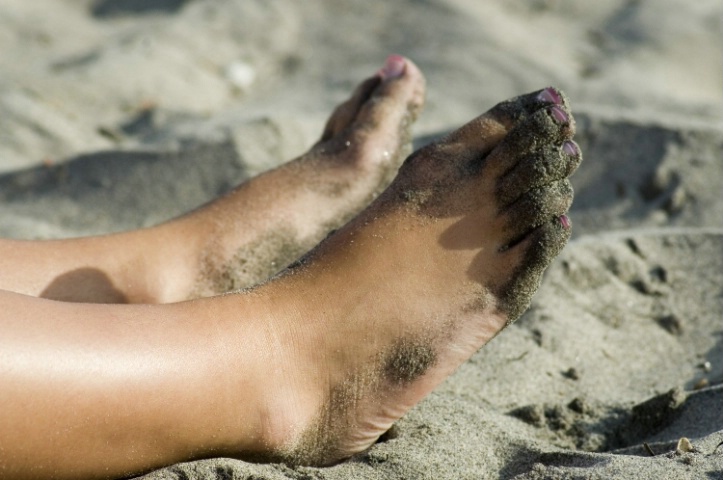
<point>286,379</point>
<point>168,265</point>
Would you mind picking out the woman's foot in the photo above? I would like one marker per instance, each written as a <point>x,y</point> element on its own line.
<point>390,305</point>
<point>249,234</point>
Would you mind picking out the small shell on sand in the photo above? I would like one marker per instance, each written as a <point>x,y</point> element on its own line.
<point>684,445</point>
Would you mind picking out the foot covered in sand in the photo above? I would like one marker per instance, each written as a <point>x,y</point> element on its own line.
<point>391,304</point>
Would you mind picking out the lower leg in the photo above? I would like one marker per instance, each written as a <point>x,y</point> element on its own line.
<point>249,234</point>
<point>107,391</point>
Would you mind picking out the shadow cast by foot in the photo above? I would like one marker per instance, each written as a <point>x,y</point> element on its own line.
<point>84,285</point>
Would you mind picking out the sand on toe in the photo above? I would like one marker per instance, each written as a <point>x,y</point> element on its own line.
<point>118,114</point>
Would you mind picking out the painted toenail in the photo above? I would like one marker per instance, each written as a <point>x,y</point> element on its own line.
<point>559,115</point>
<point>393,67</point>
<point>550,95</point>
<point>570,148</point>
<point>565,221</point>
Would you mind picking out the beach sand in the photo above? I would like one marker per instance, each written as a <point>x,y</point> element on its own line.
<point>120,114</point>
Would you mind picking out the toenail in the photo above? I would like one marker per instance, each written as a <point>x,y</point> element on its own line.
<point>393,67</point>
<point>565,221</point>
<point>550,95</point>
<point>559,115</point>
<point>570,148</point>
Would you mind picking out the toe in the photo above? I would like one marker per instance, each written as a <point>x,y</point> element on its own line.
<point>547,163</point>
<point>373,125</point>
<point>546,128</point>
<point>545,243</point>
<point>535,208</point>
<point>344,114</point>
<point>397,99</point>
<point>534,254</point>
<point>486,132</point>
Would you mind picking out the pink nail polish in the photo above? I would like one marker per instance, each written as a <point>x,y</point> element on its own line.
<point>565,222</point>
<point>570,148</point>
<point>393,67</point>
<point>559,115</point>
<point>550,95</point>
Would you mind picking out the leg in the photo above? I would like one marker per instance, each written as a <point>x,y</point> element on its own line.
<point>246,236</point>
<point>314,365</point>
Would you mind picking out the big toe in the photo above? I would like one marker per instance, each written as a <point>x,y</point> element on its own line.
<point>382,104</point>
<point>398,98</point>
<point>483,134</point>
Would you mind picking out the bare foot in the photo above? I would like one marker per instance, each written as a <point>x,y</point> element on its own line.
<point>390,305</point>
<point>251,233</point>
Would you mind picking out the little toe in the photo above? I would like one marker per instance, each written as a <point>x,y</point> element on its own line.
<point>535,253</point>
<point>535,208</point>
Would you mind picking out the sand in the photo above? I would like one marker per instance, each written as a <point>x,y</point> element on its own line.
<point>119,114</point>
